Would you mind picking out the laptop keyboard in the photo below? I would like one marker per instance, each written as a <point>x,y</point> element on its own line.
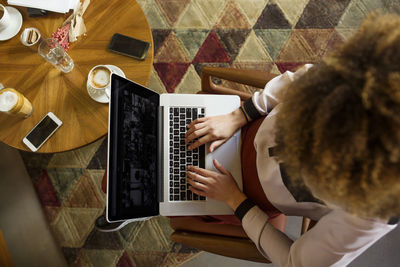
<point>180,156</point>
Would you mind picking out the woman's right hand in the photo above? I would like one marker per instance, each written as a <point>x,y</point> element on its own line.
<point>216,129</point>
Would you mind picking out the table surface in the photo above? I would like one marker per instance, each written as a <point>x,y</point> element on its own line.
<point>65,94</point>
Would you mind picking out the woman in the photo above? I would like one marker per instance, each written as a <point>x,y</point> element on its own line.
<point>327,147</point>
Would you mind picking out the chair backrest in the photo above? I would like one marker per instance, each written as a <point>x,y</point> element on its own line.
<point>253,78</point>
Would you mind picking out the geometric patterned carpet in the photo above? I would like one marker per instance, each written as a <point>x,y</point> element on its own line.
<point>272,36</point>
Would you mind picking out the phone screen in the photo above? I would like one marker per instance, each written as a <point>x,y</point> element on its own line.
<point>129,46</point>
<point>40,133</point>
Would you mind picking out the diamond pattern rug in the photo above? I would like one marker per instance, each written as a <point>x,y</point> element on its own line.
<point>272,36</point>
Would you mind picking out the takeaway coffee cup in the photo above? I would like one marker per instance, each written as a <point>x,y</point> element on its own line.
<point>14,103</point>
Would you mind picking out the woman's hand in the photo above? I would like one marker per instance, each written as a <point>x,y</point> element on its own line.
<point>219,186</point>
<point>217,129</point>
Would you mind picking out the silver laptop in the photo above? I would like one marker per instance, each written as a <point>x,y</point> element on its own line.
<point>147,153</point>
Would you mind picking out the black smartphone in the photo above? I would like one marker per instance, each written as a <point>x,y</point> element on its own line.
<point>129,46</point>
<point>42,131</point>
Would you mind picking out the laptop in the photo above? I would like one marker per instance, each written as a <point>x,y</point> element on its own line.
<point>147,153</point>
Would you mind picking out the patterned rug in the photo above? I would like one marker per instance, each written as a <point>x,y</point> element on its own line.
<point>188,34</point>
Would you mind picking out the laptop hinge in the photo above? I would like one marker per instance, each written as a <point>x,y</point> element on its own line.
<point>160,145</point>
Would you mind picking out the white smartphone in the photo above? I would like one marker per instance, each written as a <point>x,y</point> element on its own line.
<point>42,131</point>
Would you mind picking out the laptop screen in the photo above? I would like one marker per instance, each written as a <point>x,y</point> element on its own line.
<point>132,182</point>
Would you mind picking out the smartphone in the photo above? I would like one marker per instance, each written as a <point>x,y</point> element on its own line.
<point>42,131</point>
<point>129,46</point>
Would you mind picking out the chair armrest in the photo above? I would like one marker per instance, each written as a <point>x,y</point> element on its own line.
<point>253,78</point>
<point>194,224</point>
<point>223,239</point>
<point>226,246</point>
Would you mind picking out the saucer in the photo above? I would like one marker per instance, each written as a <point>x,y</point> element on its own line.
<point>15,25</point>
<point>100,95</point>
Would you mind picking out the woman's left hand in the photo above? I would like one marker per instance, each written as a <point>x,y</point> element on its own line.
<point>219,186</point>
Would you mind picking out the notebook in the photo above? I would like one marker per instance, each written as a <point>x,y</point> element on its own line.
<point>60,6</point>
<point>147,154</point>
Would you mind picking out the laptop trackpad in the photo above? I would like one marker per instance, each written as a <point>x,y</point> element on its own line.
<point>229,156</point>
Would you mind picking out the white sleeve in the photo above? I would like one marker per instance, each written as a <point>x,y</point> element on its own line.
<point>335,240</point>
<point>274,90</point>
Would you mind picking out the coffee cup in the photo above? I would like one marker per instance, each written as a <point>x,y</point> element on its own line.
<point>99,79</point>
<point>14,103</point>
<point>4,18</point>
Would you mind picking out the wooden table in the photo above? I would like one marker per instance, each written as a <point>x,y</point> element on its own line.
<point>48,89</point>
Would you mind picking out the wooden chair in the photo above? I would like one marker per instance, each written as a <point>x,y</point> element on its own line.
<point>223,239</point>
<point>253,78</point>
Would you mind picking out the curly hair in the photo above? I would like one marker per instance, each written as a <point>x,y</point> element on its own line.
<point>339,127</point>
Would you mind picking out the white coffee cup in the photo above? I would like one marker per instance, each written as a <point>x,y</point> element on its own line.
<point>5,18</point>
<point>99,79</point>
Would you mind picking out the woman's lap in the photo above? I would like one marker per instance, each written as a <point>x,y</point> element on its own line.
<point>251,183</point>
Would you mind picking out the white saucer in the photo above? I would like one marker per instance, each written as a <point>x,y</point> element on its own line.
<point>15,24</point>
<point>100,95</point>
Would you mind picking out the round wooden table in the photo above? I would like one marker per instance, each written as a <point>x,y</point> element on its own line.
<point>65,94</point>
